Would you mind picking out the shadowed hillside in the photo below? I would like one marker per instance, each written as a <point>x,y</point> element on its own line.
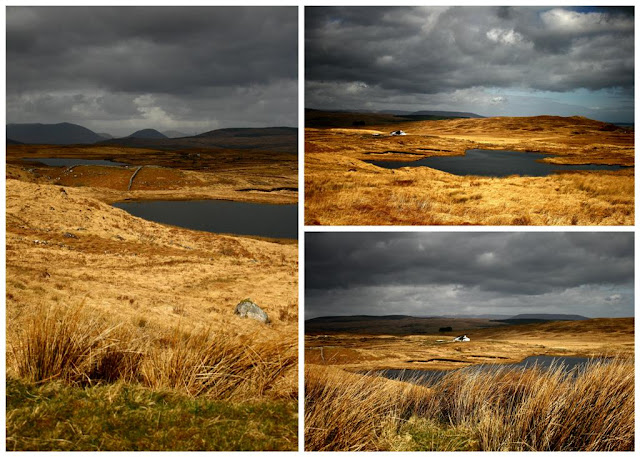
<point>392,325</point>
<point>63,133</point>
<point>270,139</point>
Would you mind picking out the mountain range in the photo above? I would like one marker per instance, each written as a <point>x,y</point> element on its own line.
<point>273,139</point>
<point>495,317</point>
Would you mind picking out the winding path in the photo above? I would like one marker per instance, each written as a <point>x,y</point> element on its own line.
<point>133,176</point>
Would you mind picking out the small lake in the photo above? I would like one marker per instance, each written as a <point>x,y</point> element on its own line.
<point>62,162</point>
<point>484,162</point>
<point>430,377</point>
<point>220,216</point>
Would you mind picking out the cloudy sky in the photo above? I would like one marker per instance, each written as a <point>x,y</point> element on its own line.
<point>120,69</point>
<point>494,61</point>
<point>427,274</point>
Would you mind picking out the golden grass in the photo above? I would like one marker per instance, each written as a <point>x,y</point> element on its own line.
<point>72,344</point>
<point>69,248</point>
<point>96,295</point>
<point>349,412</point>
<point>341,189</point>
<point>352,193</point>
<point>534,409</point>
<point>370,346</point>
<point>248,175</point>
<point>97,299</point>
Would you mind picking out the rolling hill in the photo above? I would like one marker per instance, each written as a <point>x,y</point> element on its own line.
<point>147,133</point>
<point>446,114</point>
<point>393,324</point>
<point>63,133</point>
<point>272,139</point>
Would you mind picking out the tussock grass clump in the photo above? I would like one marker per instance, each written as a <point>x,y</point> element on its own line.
<point>499,410</point>
<point>350,412</point>
<point>218,365</point>
<point>543,410</point>
<point>72,345</point>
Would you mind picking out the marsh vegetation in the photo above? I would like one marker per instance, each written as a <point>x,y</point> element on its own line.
<point>504,410</point>
<point>590,406</point>
<point>341,188</point>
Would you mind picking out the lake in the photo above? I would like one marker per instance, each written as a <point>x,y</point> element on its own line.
<point>62,162</point>
<point>220,216</point>
<point>430,377</point>
<point>484,162</point>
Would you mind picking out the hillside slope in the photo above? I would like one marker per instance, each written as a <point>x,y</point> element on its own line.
<point>63,133</point>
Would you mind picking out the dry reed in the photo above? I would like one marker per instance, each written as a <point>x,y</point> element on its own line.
<point>500,410</point>
<point>75,346</point>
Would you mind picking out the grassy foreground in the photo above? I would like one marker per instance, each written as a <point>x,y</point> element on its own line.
<point>530,410</point>
<point>125,417</point>
<point>99,303</point>
<point>78,381</point>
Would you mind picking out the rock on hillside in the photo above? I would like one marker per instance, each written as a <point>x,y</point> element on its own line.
<point>246,308</point>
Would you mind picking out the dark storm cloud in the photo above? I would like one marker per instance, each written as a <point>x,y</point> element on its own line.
<point>167,64</point>
<point>381,273</point>
<point>355,55</point>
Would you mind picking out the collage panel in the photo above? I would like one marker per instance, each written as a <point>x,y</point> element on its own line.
<point>153,222</point>
<point>152,228</point>
<point>469,341</point>
<point>434,115</point>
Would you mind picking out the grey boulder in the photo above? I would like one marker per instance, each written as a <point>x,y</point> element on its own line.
<point>246,308</point>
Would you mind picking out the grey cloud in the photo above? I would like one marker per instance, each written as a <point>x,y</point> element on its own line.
<point>431,50</point>
<point>113,55</point>
<point>380,273</point>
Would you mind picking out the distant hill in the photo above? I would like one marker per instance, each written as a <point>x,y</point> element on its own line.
<point>605,326</point>
<point>10,141</point>
<point>439,114</point>
<point>175,134</point>
<point>394,324</point>
<point>551,317</point>
<point>446,114</point>
<point>147,133</point>
<point>340,119</point>
<point>540,318</point>
<point>64,133</point>
<point>271,139</point>
<point>357,318</point>
<point>106,136</point>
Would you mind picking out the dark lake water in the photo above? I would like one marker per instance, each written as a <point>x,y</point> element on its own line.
<point>62,162</point>
<point>431,377</point>
<point>220,216</point>
<point>483,162</point>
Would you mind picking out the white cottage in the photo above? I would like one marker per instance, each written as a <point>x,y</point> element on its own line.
<point>461,338</point>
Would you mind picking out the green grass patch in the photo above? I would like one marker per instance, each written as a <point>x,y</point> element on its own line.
<point>420,434</point>
<point>125,417</point>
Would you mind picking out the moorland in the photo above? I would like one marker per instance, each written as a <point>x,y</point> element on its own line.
<point>349,406</point>
<point>341,188</point>
<point>121,332</point>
